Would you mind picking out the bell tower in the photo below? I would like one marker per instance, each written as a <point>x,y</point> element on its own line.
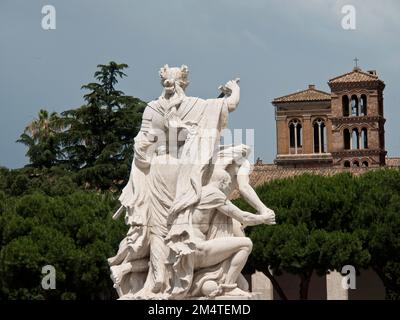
<point>358,133</point>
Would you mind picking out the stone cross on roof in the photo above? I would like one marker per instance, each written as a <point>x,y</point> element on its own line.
<point>356,62</point>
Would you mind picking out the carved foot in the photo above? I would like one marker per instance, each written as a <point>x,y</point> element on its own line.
<point>117,273</point>
<point>233,290</point>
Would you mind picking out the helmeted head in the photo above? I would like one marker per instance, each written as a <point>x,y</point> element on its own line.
<point>173,79</point>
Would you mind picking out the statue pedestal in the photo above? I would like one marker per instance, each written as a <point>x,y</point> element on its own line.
<point>254,296</point>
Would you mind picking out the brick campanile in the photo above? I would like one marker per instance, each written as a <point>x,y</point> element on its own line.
<point>358,133</point>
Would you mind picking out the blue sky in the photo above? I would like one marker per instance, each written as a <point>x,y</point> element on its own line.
<point>275,47</point>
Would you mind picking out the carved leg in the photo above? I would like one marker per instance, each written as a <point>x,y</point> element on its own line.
<point>242,283</point>
<point>158,258</point>
<point>217,250</point>
<point>238,261</point>
<point>121,254</point>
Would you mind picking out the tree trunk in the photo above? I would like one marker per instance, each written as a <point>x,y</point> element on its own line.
<point>304,285</point>
<point>275,283</point>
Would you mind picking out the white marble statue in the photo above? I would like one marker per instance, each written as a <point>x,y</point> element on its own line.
<point>185,237</point>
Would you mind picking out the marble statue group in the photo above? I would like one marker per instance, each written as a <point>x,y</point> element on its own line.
<point>185,237</point>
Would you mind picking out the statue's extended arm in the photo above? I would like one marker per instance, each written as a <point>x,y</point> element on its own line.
<point>244,217</point>
<point>248,193</point>
<point>246,190</point>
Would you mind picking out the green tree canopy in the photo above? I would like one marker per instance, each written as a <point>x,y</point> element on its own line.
<point>378,220</point>
<point>74,233</point>
<point>312,231</point>
<point>98,140</point>
<point>95,141</point>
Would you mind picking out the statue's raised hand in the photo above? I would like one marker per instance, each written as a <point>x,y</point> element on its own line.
<point>229,87</point>
<point>233,84</point>
<point>231,92</point>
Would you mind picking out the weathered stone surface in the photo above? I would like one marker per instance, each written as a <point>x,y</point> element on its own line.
<point>185,237</point>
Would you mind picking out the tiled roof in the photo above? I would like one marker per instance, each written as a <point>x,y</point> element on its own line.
<point>310,94</point>
<point>264,173</point>
<point>357,75</point>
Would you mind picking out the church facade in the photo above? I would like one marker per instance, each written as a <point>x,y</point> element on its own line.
<point>343,128</point>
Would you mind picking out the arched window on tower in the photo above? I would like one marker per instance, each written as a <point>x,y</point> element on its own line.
<point>363,105</point>
<point>295,135</point>
<point>364,164</point>
<point>355,139</point>
<point>354,106</point>
<point>319,129</point>
<point>345,106</point>
<point>347,164</point>
<point>364,138</point>
<point>346,139</point>
<point>356,163</point>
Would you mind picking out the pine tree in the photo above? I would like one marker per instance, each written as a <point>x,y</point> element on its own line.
<point>98,140</point>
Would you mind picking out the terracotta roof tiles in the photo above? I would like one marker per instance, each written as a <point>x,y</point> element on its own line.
<point>310,94</point>
<point>356,76</point>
